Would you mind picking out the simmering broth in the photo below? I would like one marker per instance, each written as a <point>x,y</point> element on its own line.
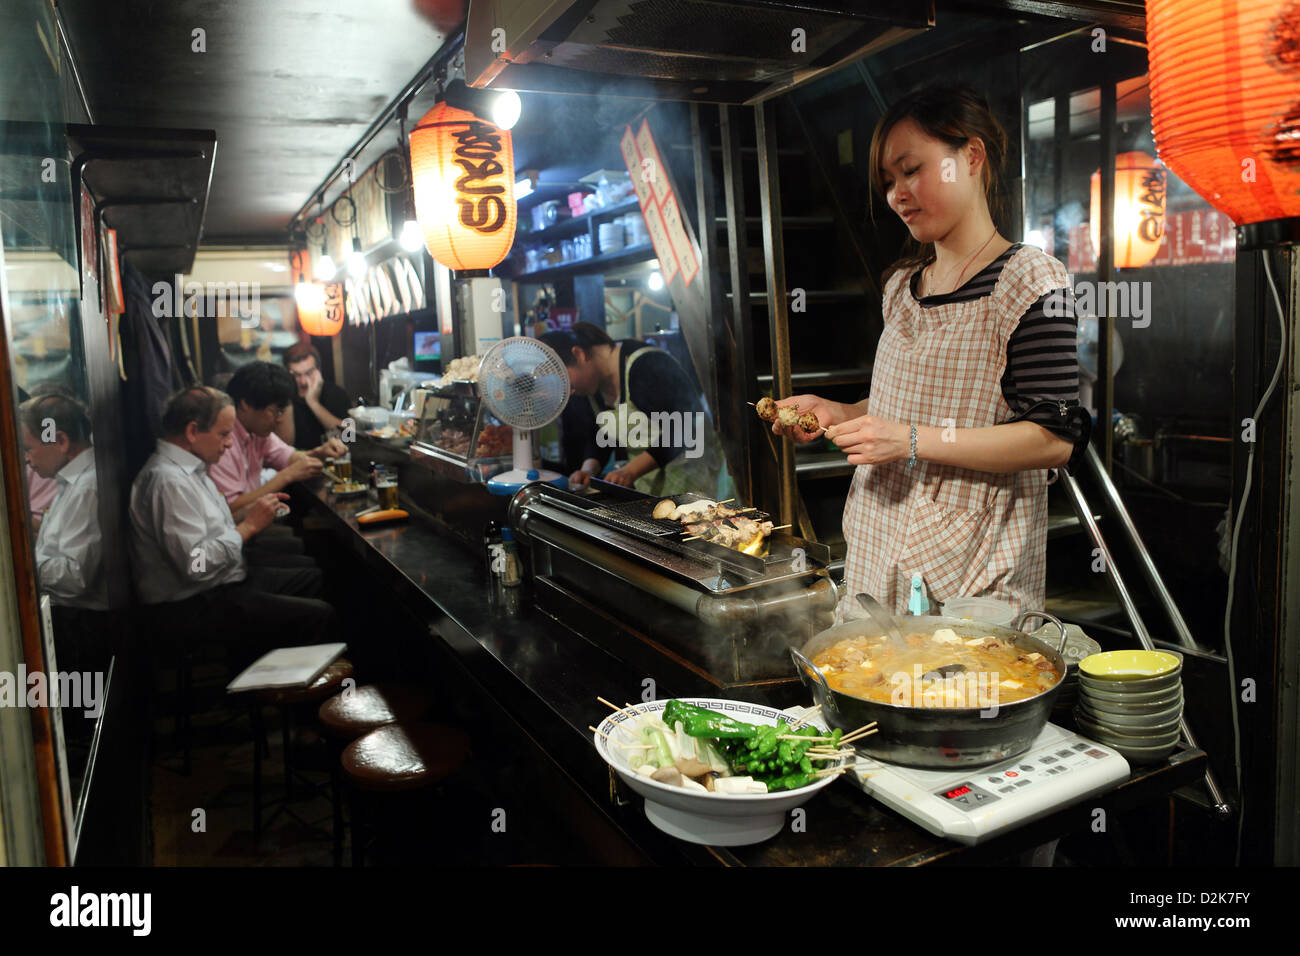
<point>941,669</point>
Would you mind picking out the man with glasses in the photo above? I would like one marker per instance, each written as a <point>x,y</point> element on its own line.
<point>262,393</point>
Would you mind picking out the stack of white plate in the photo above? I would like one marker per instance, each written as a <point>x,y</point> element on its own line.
<point>1131,701</point>
<point>610,235</point>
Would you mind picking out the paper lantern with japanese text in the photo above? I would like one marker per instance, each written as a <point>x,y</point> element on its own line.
<point>1225,101</point>
<point>316,315</point>
<point>1139,210</point>
<point>463,177</point>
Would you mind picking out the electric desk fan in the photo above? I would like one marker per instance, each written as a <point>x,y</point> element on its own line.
<point>526,386</point>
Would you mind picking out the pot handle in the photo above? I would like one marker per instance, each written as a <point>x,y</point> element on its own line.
<point>1025,615</point>
<point>807,667</point>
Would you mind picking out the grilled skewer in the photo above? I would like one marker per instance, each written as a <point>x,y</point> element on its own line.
<point>787,415</point>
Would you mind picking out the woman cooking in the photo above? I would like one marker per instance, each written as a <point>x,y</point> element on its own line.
<point>976,328</point>
<point>669,441</point>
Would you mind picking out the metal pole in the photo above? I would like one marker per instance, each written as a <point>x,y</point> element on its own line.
<point>741,319</point>
<point>1105,402</point>
<point>1139,628</point>
<point>778,315</point>
<point>1145,562</point>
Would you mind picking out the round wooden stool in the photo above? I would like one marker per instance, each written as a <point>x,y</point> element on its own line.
<point>349,715</point>
<point>395,758</point>
<point>286,698</point>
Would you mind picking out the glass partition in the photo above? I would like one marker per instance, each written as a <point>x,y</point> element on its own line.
<point>45,310</point>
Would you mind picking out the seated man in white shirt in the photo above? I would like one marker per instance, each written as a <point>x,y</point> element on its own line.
<point>69,546</point>
<point>69,549</point>
<point>189,551</point>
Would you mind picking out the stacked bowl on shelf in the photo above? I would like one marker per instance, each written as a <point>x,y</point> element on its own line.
<point>1131,701</point>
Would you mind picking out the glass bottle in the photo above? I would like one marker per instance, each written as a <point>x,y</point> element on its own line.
<point>511,576</point>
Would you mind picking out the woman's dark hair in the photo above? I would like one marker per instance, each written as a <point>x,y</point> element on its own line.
<point>953,114</point>
<point>582,335</point>
<point>68,414</point>
<point>198,404</point>
<point>261,384</point>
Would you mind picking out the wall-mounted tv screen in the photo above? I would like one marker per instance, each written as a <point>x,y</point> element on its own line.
<point>428,346</point>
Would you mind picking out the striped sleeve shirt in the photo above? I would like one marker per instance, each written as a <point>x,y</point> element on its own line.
<point>1043,362</point>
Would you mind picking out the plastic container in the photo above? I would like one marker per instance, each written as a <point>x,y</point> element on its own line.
<point>986,610</point>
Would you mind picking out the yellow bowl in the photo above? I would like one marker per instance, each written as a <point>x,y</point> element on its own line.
<point>1130,665</point>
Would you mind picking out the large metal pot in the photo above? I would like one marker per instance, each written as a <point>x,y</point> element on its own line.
<point>935,737</point>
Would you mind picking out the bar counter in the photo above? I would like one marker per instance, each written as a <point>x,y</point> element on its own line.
<point>547,676</point>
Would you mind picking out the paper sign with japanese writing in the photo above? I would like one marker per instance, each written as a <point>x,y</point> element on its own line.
<point>663,245</point>
<point>653,170</point>
<point>632,160</point>
<point>681,242</point>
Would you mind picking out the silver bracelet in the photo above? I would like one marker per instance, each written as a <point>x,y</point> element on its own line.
<point>911,461</point>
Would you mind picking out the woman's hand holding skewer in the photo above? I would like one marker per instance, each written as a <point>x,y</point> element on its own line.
<point>827,413</point>
<point>869,440</point>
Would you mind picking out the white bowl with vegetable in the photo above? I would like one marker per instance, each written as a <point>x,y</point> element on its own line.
<point>650,757</point>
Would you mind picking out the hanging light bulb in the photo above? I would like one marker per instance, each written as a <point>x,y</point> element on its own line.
<point>655,282</point>
<point>411,236</point>
<point>506,109</point>
<point>356,261</point>
<point>325,268</point>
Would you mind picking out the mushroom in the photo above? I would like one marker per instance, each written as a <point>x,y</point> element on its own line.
<point>692,766</point>
<point>669,775</point>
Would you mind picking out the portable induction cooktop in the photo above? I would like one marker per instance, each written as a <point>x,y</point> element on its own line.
<point>972,804</point>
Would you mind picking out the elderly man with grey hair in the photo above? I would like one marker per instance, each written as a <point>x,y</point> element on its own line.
<point>188,548</point>
<point>69,546</point>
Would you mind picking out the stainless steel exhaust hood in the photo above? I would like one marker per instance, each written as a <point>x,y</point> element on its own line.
<point>721,51</point>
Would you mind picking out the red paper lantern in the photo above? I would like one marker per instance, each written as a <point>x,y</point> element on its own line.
<point>316,313</point>
<point>1139,210</point>
<point>1225,101</point>
<point>463,174</point>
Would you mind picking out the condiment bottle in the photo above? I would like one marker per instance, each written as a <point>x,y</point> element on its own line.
<point>492,549</point>
<point>511,576</point>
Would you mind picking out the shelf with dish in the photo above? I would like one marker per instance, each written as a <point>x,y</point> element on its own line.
<point>576,225</point>
<point>584,241</point>
<point>596,263</point>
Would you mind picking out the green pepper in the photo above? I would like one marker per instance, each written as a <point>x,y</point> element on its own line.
<point>701,722</point>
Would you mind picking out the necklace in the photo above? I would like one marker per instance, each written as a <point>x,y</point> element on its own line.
<point>965,266</point>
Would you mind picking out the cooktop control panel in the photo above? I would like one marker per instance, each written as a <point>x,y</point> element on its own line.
<point>970,804</point>
<point>978,791</point>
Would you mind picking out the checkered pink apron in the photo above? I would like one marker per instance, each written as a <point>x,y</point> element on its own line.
<point>966,532</point>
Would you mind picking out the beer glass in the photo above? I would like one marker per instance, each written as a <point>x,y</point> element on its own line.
<point>386,486</point>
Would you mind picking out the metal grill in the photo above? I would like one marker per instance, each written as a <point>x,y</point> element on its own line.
<point>637,515</point>
<point>633,518</point>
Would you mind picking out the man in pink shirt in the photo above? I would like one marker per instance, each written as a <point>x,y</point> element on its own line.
<point>261,393</point>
